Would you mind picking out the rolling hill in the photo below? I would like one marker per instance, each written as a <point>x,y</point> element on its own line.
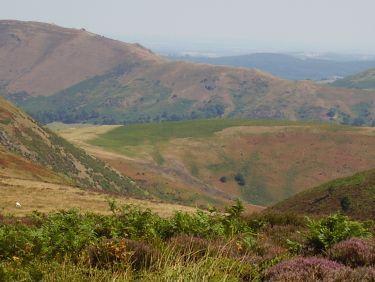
<point>42,59</point>
<point>59,74</point>
<point>353,195</point>
<point>31,152</point>
<point>261,162</point>
<point>363,80</point>
<point>287,66</point>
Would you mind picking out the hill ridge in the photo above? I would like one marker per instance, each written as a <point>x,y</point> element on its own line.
<point>93,79</point>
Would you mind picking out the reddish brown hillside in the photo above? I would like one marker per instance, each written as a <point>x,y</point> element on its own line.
<point>42,59</point>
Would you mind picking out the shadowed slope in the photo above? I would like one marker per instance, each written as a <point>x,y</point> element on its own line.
<point>354,196</point>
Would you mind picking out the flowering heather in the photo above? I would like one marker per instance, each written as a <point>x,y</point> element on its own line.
<point>304,269</point>
<point>354,252</point>
<point>359,274</point>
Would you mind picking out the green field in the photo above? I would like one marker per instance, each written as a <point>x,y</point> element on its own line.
<point>152,133</point>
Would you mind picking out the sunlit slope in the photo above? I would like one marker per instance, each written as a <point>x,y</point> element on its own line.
<point>261,162</point>
<point>42,59</point>
<point>47,197</point>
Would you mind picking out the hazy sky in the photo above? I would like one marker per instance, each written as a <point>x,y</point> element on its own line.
<point>321,25</point>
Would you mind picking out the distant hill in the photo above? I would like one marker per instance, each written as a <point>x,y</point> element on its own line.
<point>29,151</point>
<point>287,66</point>
<point>42,59</point>
<point>69,75</point>
<point>363,80</point>
<point>354,196</point>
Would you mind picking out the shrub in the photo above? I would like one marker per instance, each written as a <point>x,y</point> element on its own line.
<point>19,242</point>
<point>223,179</point>
<point>240,179</point>
<point>190,247</point>
<point>122,253</point>
<point>345,204</point>
<point>353,252</point>
<point>303,269</point>
<point>67,233</point>
<point>270,218</point>
<point>359,274</point>
<point>107,254</point>
<point>325,232</point>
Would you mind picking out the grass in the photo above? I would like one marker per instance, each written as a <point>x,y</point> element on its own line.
<point>47,197</point>
<point>152,133</point>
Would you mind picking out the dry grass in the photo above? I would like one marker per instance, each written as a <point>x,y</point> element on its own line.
<point>47,197</point>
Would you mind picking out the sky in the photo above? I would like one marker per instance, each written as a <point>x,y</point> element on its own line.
<point>284,25</point>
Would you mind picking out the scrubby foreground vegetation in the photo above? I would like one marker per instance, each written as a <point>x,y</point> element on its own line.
<point>134,244</point>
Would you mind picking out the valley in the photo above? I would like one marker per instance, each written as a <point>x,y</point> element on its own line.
<point>216,160</point>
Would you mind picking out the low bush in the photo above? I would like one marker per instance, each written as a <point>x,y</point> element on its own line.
<point>353,252</point>
<point>325,232</point>
<point>304,269</point>
<point>122,254</point>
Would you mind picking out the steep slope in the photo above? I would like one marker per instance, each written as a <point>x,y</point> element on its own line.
<point>31,152</point>
<point>14,166</point>
<point>138,86</point>
<point>287,66</point>
<point>354,196</point>
<point>363,80</point>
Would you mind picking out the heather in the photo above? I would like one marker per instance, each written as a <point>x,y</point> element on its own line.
<point>354,252</point>
<point>134,244</point>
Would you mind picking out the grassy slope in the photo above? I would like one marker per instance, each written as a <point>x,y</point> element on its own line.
<point>363,80</point>
<point>359,189</point>
<point>47,197</point>
<point>14,166</point>
<point>21,136</point>
<point>276,159</point>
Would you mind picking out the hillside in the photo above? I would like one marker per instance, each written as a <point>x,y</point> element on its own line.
<point>353,196</point>
<point>287,66</point>
<point>30,152</point>
<point>67,75</point>
<point>42,196</point>
<point>363,80</point>
<point>260,161</point>
<point>42,59</point>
